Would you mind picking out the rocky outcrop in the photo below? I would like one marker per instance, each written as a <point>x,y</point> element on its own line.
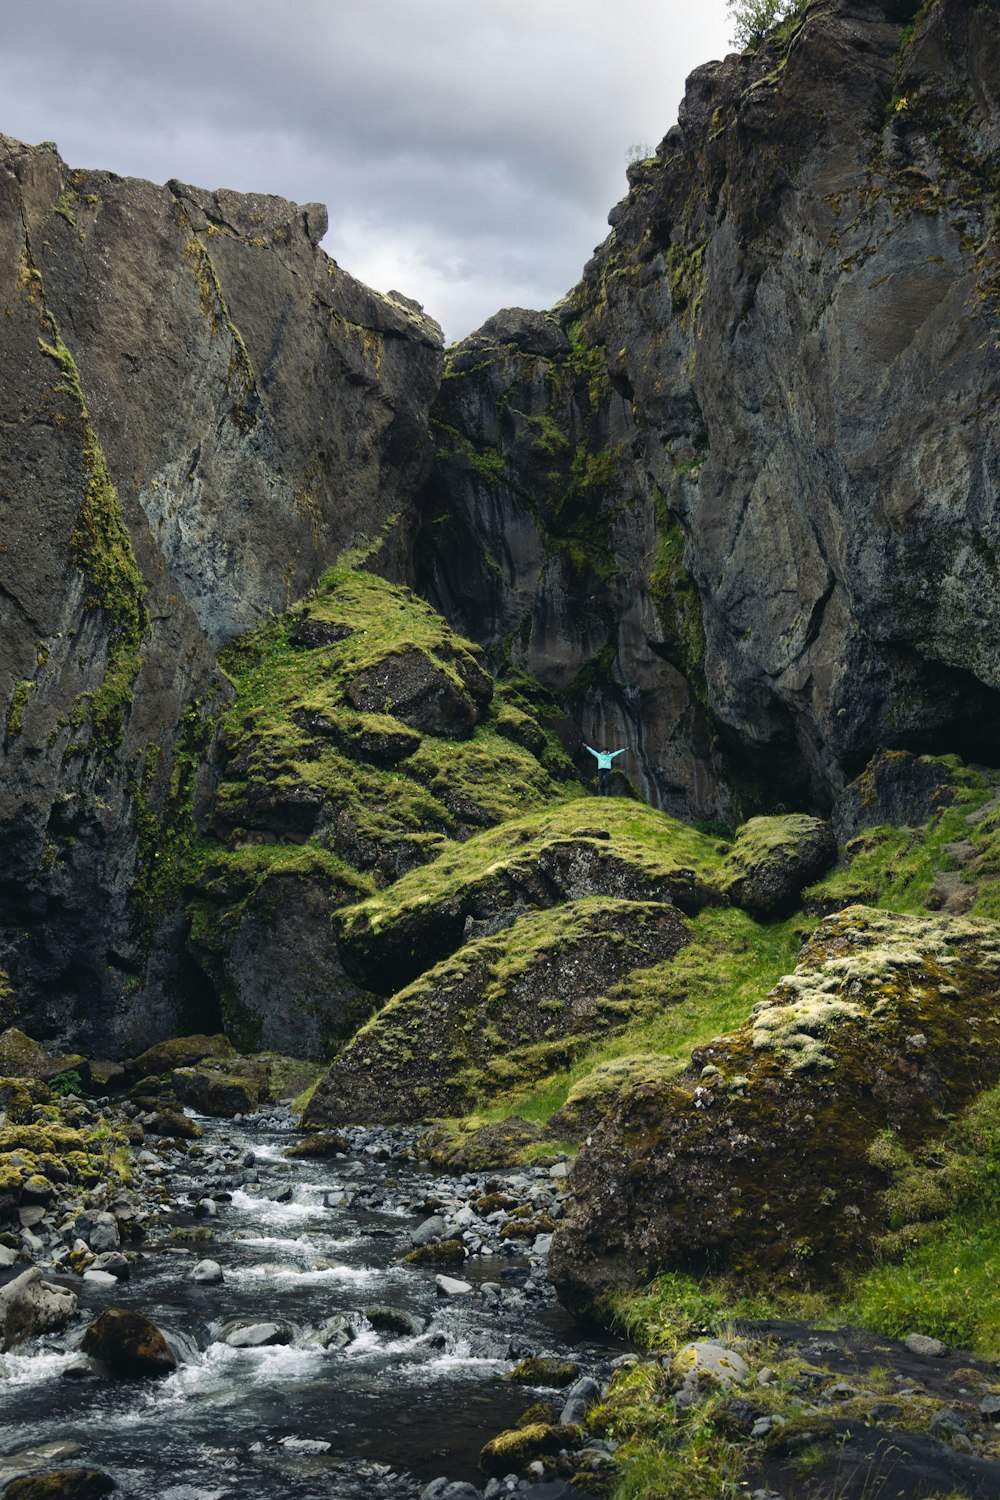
<point>505,1010</point>
<point>201,410</point>
<point>772,861</point>
<point>762,1158</point>
<point>738,489</point>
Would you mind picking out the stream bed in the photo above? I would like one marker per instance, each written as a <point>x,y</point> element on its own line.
<point>344,1406</point>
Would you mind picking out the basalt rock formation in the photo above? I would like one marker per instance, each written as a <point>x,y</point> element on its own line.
<point>736,495</point>
<point>200,411</point>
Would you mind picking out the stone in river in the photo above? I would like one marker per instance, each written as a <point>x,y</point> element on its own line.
<point>448,1286</point>
<point>208,1272</point>
<point>128,1344</point>
<point>29,1305</point>
<point>244,1335</point>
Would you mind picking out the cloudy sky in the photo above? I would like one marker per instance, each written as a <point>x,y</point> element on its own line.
<point>468,150</point>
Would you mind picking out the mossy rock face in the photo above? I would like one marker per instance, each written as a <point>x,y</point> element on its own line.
<point>896,788</point>
<point>414,687</point>
<point>505,1009</point>
<point>20,1056</point>
<point>589,1100</point>
<point>128,1344</point>
<point>60,1484</point>
<point>757,1160</point>
<point>180,1052</point>
<point>774,859</point>
<point>512,1451</point>
<point>18,1098</point>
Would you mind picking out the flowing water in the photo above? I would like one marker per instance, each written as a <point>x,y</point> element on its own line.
<point>376,1418</point>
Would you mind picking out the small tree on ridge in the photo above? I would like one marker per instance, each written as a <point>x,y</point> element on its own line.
<point>753,19</point>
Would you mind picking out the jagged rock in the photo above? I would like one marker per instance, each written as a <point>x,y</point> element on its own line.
<point>267,372</point>
<point>758,1158</point>
<point>773,860</point>
<point>29,1305</point>
<point>898,788</point>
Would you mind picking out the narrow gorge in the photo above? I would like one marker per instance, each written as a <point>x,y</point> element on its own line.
<point>640,1145</point>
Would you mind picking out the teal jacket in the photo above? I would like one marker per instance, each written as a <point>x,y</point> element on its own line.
<point>604,757</point>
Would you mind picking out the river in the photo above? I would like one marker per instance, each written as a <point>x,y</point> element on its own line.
<point>300,1243</point>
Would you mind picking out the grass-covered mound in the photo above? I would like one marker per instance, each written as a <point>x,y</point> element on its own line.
<point>504,1009</point>
<point>585,847</point>
<point>363,736</point>
<point>759,1159</point>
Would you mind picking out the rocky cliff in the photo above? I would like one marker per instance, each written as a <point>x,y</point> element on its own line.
<point>736,495</point>
<point>200,411</point>
<point>733,503</point>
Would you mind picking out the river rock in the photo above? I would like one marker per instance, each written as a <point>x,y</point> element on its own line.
<point>394,1320</point>
<point>128,1344</point>
<point>98,1230</point>
<point>206,1273</point>
<point>450,1489</point>
<point>29,1305</point>
<point>216,1093</point>
<point>449,1286</point>
<point>243,1334</point>
<point>61,1484</point>
<point>114,1262</point>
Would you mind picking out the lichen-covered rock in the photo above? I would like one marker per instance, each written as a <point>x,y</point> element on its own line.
<point>20,1056</point>
<point>29,1305</point>
<point>128,1344</point>
<point>506,1008</point>
<point>774,859</point>
<point>757,1160</point>
<point>555,1373</point>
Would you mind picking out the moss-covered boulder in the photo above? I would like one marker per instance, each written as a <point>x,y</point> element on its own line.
<point>592,1096</point>
<point>128,1344</point>
<point>898,789</point>
<point>774,859</point>
<point>511,1452</point>
<point>554,1373</point>
<point>758,1160</point>
<point>503,1010</point>
<point>216,1092</point>
<point>179,1052</point>
<point>502,1143</point>
<point>619,850</point>
<point>321,1145</point>
<point>437,1253</point>
<point>20,1056</point>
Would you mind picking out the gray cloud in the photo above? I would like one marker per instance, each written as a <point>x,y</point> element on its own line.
<point>468,153</point>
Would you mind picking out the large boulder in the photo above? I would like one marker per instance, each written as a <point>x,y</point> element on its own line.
<point>425,693</point>
<point>20,1056</point>
<point>30,1305</point>
<point>128,1344</point>
<point>60,1484</point>
<point>773,859</point>
<point>179,1052</point>
<point>213,1091</point>
<point>898,788</point>
<point>757,1160</point>
<point>504,1010</point>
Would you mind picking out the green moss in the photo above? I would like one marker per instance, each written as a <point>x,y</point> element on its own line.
<point>678,602</point>
<point>241,382</point>
<point>488,464</point>
<point>15,709</point>
<point>101,548</point>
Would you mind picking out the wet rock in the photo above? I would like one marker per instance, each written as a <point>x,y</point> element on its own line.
<point>207,1273</point>
<point>436,1253</point>
<point>581,1395</point>
<point>128,1344</point>
<point>450,1489</point>
<point>241,1333</point>
<point>114,1263</point>
<point>556,1373</point>
<point>61,1484</point>
<point>394,1320</point>
<point>98,1230</point>
<point>321,1144</point>
<point>30,1305</point>
<point>449,1286</point>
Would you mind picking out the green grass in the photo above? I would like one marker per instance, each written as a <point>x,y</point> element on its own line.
<point>709,988</point>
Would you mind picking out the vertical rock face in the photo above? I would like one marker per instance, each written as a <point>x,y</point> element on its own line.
<point>787,433</point>
<point>200,410</point>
